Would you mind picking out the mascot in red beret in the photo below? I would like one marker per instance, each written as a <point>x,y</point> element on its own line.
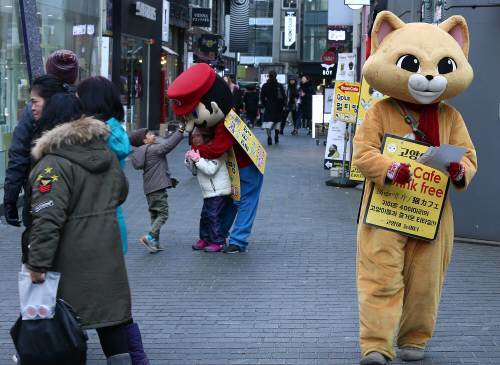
<point>202,98</point>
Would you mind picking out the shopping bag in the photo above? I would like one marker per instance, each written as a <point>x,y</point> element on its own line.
<point>56,341</point>
<point>38,301</point>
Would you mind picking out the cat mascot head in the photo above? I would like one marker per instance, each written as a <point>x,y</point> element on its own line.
<point>418,62</point>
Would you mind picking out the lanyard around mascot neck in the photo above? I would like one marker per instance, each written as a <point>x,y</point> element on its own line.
<point>410,119</point>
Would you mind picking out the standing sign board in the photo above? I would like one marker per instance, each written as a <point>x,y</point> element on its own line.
<point>345,105</point>
<point>247,140</point>
<point>413,209</point>
<point>346,69</point>
<point>335,145</point>
<point>368,97</point>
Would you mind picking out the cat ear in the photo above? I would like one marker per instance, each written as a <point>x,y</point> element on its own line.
<point>385,23</point>
<point>456,26</point>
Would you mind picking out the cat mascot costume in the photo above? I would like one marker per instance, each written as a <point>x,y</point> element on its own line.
<point>399,278</point>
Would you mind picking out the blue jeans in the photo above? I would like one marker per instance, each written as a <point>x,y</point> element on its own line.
<point>211,219</point>
<point>243,212</point>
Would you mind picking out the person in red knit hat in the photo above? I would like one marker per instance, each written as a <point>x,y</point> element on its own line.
<point>202,97</point>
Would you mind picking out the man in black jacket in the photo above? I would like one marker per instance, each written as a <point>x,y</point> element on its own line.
<point>60,63</point>
<point>273,98</point>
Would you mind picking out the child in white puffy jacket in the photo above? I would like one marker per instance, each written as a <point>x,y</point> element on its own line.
<point>216,188</point>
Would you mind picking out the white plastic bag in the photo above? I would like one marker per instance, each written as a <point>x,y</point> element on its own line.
<point>38,301</point>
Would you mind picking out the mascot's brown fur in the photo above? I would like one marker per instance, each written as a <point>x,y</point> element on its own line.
<point>400,278</point>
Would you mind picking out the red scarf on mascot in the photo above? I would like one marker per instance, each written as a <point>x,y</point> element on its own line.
<point>428,121</point>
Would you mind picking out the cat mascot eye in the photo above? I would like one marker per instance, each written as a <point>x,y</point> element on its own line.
<point>408,62</point>
<point>446,65</point>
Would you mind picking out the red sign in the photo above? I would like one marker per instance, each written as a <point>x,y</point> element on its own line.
<point>328,57</point>
<point>348,88</point>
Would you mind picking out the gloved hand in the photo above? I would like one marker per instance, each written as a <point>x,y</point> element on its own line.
<point>11,214</point>
<point>193,155</point>
<point>399,173</point>
<point>189,126</point>
<point>456,171</point>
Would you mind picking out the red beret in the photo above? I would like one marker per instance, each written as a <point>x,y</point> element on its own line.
<point>189,87</point>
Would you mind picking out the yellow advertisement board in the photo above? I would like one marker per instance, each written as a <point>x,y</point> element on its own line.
<point>413,209</point>
<point>367,98</point>
<point>345,105</point>
<point>247,140</point>
<point>234,174</point>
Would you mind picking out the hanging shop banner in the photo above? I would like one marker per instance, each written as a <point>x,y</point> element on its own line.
<point>345,105</point>
<point>335,142</point>
<point>234,175</point>
<point>346,69</point>
<point>247,140</point>
<point>367,97</point>
<point>200,17</point>
<point>238,26</point>
<point>413,209</point>
<point>290,28</point>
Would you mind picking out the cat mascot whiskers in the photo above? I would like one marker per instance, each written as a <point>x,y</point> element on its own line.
<point>399,278</point>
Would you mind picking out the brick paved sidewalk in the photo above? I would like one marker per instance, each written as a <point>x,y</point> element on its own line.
<point>291,299</point>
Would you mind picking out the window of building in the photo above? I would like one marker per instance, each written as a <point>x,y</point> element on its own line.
<point>261,8</point>
<point>315,42</point>
<point>316,5</point>
<point>261,41</point>
<point>14,83</point>
<point>289,4</point>
<point>293,47</point>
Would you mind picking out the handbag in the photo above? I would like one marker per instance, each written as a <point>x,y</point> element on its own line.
<point>56,341</point>
<point>47,331</point>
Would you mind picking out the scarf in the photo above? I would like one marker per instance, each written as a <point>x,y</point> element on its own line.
<point>428,121</point>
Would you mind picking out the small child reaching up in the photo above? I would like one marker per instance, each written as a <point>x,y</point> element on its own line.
<point>151,157</point>
<point>216,188</point>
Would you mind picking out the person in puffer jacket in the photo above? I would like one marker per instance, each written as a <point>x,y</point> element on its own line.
<point>216,188</point>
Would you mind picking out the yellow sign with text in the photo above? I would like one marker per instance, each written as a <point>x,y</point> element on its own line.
<point>345,105</point>
<point>247,140</point>
<point>234,175</point>
<point>413,209</point>
<point>367,98</point>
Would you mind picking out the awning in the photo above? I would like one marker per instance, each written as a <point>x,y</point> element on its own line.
<point>169,51</point>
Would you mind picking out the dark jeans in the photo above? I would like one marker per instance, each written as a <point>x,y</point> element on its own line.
<point>113,339</point>
<point>211,219</point>
<point>158,210</point>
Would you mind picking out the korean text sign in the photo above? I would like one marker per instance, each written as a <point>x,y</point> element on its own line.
<point>413,209</point>
<point>234,175</point>
<point>345,105</point>
<point>247,140</point>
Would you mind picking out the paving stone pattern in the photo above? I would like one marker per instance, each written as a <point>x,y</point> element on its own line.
<point>291,299</point>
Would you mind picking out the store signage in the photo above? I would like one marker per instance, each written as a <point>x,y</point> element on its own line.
<point>345,106</point>
<point>84,29</point>
<point>165,21</point>
<point>290,28</point>
<point>327,69</point>
<point>200,17</point>
<point>144,10</point>
<point>412,209</point>
<point>346,70</point>
<point>328,57</point>
<point>336,35</point>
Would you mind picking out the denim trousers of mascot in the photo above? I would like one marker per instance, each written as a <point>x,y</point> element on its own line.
<point>211,219</point>
<point>243,212</point>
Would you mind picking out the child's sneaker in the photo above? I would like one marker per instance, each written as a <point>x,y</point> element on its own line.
<point>149,242</point>
<point>214,247</point>
<point>158,247</point>
<point>199,245</point>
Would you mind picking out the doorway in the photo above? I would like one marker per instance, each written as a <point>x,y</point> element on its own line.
<point>135,79</point>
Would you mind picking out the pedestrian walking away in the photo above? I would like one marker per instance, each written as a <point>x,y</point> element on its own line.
<point>77,184</point>
<point>216,188</point>
<point>251,104</point>
<point>273,99</point>
<point>306,91</point>
<point>292,96</point>
<point>101,99</point>
<point>151,157</point>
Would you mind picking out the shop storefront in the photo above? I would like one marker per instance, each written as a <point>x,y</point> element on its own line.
<point>71,25</point>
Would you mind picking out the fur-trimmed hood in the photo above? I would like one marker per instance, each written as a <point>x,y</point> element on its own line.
<point>81,141</point>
